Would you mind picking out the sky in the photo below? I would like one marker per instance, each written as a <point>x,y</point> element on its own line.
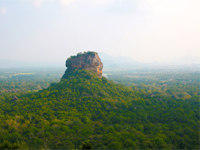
<point>144,30</point>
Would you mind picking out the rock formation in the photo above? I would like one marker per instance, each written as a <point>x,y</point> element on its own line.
<point>87,61</point>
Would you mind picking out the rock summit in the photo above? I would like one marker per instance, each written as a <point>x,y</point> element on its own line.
<point>87,61</point>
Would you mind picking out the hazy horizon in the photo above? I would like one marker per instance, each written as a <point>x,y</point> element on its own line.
<point>108,62</point>
<point>144,30</point>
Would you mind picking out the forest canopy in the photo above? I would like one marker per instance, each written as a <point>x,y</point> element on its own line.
<point>103,113</point>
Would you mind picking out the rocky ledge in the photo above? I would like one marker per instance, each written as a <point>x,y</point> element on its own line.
<point>86,60</point>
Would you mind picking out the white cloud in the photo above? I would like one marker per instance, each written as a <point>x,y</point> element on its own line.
<point>171,29</point>
<point>38,3</point>
<point>168,7</point>
<point>3,10</point>
<point>66,2</point>
<point>101,2</point>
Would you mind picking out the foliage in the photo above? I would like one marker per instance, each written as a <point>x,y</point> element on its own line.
<point>84,53</point>
<point>86,146</point>
<point>87,109</point>
<point>7,145</point>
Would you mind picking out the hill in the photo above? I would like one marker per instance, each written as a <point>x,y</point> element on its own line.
<point>85,108</point>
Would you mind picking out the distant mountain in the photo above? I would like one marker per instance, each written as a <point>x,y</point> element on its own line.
<point>127,62</point>
<point>108,62</point>
<point>117,62</point>
<point>187,60</point>
<point>181,61</point>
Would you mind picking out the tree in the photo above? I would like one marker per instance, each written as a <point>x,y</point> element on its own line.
<point>86,146</point>
<point>7,145</point>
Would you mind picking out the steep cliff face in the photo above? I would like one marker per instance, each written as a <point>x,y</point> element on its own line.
<point>87,61</point>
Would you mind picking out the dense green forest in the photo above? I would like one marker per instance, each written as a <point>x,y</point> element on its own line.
<point>139,109</point>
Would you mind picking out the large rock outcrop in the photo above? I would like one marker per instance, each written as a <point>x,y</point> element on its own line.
<point>86,60</point>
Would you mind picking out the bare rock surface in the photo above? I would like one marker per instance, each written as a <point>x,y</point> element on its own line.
<point>87,61</point>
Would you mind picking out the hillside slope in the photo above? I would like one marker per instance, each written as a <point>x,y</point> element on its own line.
<point>86,108</point>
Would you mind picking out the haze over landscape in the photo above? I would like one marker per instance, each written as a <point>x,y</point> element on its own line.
<point>99,74</point>
<point>45,31</point>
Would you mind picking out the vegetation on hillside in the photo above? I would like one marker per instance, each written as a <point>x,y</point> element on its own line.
<point>86,110</point>
<point>84,53</point>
